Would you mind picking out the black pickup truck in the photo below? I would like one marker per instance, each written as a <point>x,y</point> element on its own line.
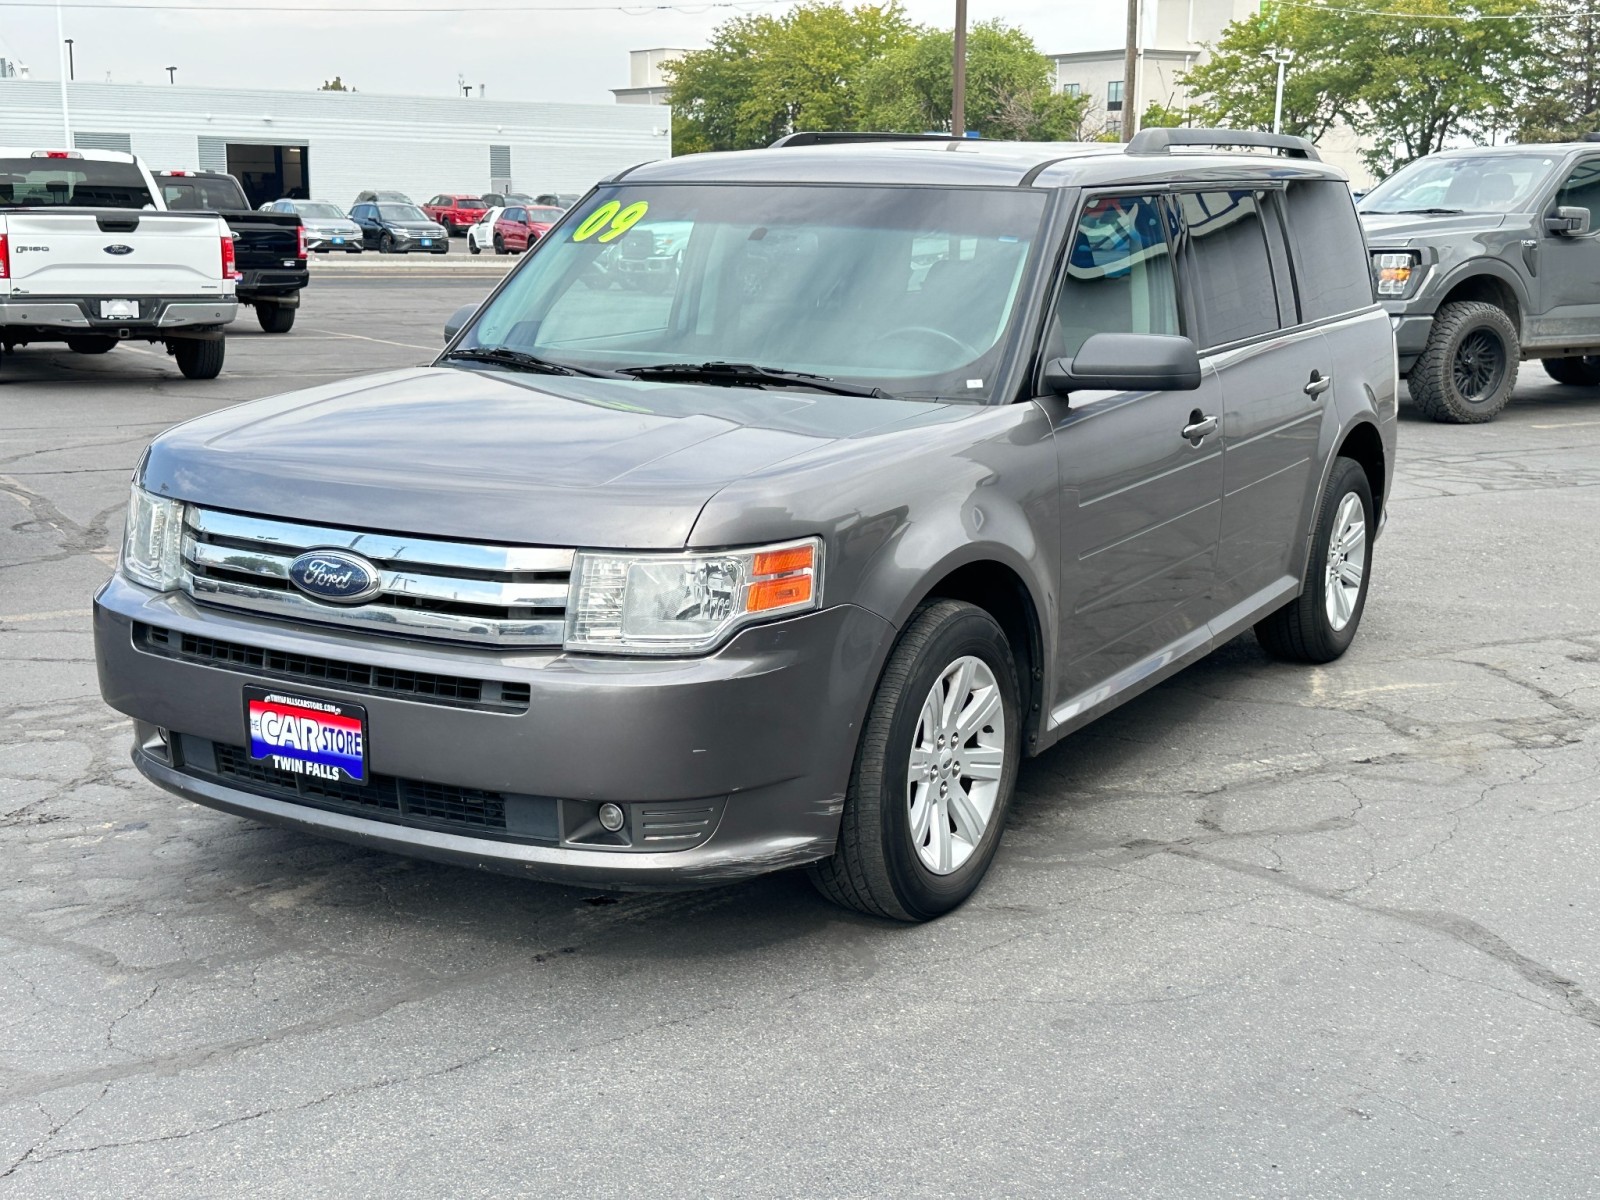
<point>269,247</point>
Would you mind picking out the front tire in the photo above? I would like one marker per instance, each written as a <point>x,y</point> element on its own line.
<point>386,244</point>
<point>934,770</point>
<point>1574,372</point>
<point>275,318</point>
<point>1319,624</point>
<point>199,359</point>
<point>1468,369</point>
<point>472,245</point>
<point>91,345</point>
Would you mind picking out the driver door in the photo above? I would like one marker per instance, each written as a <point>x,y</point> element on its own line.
<point>1570,266</point>
<point>1141,503</point>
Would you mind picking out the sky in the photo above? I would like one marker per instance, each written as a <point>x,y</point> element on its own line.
<point>528,55</point>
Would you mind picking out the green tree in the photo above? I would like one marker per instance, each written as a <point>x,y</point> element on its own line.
<point>765,76</point>
<point>1009,95</point>
<point>334,85</point>
<point>1160,116</point>
<point>1563,102</point>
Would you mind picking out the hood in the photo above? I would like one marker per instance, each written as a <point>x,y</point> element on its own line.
<point>488,455</point>
<point>415,226</point>
<point>1391,229</point>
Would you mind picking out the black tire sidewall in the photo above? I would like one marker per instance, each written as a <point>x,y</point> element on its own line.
<point>922,893</point>
<point>1347,477</point>
<point>1453,324</point>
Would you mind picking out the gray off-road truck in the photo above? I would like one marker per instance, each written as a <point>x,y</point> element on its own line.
<point>1485,257</point>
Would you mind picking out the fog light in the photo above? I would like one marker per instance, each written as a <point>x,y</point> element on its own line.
<point>611,817</point>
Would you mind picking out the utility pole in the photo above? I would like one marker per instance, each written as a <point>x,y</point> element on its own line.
<point>958,74</point>
<point>72,69</point>
<point>66,115</point>
<point>172,74</point>
<point>1130,73</point>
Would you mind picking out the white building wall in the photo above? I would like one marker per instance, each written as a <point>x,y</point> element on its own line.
<point>418,145</point>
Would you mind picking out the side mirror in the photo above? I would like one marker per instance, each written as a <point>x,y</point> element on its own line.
<point>1127,362</point>
<point>457,320</point>
<point>1568,222</point>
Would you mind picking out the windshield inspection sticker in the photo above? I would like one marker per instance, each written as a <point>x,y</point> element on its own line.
<point>620,220</point>
<point>321,739</point>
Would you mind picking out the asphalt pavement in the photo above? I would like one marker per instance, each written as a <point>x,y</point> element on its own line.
<point>1265,931</point>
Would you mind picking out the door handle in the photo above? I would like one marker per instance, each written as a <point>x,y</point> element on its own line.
<point>1319,384</point>
<point>1199,427</point>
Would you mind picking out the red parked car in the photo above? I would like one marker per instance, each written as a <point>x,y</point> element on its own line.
<point>454,212</point>
<point>520,226</point>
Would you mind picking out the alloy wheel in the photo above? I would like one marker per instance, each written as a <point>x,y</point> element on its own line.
<point>1347,561</point>
<point>1479,365</point>
<point>957,762</point>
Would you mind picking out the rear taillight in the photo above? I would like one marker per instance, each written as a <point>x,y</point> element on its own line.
<point>228,270</point>
<point>300,241</point>
<point>5,257</point>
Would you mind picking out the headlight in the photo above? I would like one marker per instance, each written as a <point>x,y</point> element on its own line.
<point>683,603</point>
<point>1394,272</point>
<point>152,544</point>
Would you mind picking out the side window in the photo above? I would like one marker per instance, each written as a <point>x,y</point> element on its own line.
<point>1233,288</point>
<point>1119,278</point>
<point>1330,256</point>
<point>1582,190</point>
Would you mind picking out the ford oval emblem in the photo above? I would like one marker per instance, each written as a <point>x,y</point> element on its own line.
<point>335,575</point>
<point>119,248</point>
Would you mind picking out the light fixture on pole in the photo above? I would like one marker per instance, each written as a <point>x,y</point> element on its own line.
<point>72,68</point>
<point>172,74</point>
<point>1283,58</point>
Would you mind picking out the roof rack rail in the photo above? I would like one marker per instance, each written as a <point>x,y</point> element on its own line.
<point>1161,141</point>
<point>808,138</point>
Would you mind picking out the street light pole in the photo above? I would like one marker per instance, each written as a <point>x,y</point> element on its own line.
<point>72,70</point>
<point>172,74</point>
<point>958,74</point>
<point>66,114</point>
<point>1283,58</point>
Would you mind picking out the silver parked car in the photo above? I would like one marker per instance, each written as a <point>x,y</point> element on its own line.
<point>327,229</point>
<point>925,454</point>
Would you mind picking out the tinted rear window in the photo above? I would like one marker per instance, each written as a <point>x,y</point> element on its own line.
<point>1234,287</point>
<point>203,195</point>
<point>72,182</point>
<point>1330,257</point>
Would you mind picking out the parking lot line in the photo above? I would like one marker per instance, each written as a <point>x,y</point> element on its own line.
<point>360,337</point>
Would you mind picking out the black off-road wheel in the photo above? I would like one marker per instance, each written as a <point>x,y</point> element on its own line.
<point>275,318</point>
<point>199,359</point>
<point>91,345</point>
<point>1319,624</point>
<point>934,770</point>
<point>1469,367</point>
<point>1574,372</point>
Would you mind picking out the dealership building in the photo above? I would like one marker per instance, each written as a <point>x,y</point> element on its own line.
<point>332,145</point>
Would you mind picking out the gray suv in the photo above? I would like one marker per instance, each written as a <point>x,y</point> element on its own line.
<point>930,452</point>
<point>1485,257</point>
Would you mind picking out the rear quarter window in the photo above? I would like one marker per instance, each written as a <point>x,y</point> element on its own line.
<point>1332,272</point>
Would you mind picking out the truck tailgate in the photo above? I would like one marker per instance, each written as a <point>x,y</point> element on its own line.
<point>114,253</point>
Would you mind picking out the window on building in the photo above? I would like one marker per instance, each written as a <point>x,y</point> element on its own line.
<point>1072,89</point>
<point>1234,290</point>
<point>1119,278</point>
<point>1114,96</point>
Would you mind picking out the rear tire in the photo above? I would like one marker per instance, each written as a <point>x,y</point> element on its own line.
<point>1308,628</point>
<point>91,345</point>
<point>499,244</point>
<point>915,839</point>
<point>275,318</point>
<point>1574,372</point>
<point>199,359</point>
<point>1468,369</point>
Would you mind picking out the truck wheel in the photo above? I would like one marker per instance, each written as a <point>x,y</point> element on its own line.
<point>1319,624</point>
<point>1469,366</point>
<point>91,345</point>
<point>934,770</point>
<point>199,359</point>
<point>1574,372</point>
<point>275,318</point>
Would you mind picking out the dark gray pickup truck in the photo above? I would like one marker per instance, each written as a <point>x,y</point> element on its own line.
<point>929,452</point>
<point>1485,257</point>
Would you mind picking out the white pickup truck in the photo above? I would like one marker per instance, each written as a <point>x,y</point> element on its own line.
<point>89,256</point>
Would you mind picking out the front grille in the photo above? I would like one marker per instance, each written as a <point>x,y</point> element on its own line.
<point>452,690</point>
<point>492,595</point>
<point>413,802</point>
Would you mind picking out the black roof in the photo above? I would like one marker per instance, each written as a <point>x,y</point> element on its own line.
<point>973,162</point>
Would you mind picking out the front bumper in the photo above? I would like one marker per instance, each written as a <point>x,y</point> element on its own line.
<point>760,735</point>
<point>1411,332</point>
<point>75,315</point>
<point>351,241</point>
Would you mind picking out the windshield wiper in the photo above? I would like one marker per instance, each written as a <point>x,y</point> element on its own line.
<point>751,375</point>
<point>506,357</point>
<point>1424,212</point>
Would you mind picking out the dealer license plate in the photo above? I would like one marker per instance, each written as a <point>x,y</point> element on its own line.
<point>427,241</point>
<point>338,241</point>
<point>322,739</point>
<point>112,310</point>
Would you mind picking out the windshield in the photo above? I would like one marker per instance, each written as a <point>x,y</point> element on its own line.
<point>203,195</point>
<point>82,183</point>
<point>401,212</point>
<point>907,288</point>
<point>319,211</point>
<point>1479,183</point>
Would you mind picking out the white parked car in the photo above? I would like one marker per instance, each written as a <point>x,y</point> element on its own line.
<point>480,236</point>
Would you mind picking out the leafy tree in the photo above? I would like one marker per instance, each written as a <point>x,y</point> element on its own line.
<point>334,85</point>
<point>1160,116</point>
<point>1563,102</point>
<point>764,76</point>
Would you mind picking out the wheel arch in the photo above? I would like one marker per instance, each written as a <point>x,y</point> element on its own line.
<point>1488,281</point>
<point>1363,443</point>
